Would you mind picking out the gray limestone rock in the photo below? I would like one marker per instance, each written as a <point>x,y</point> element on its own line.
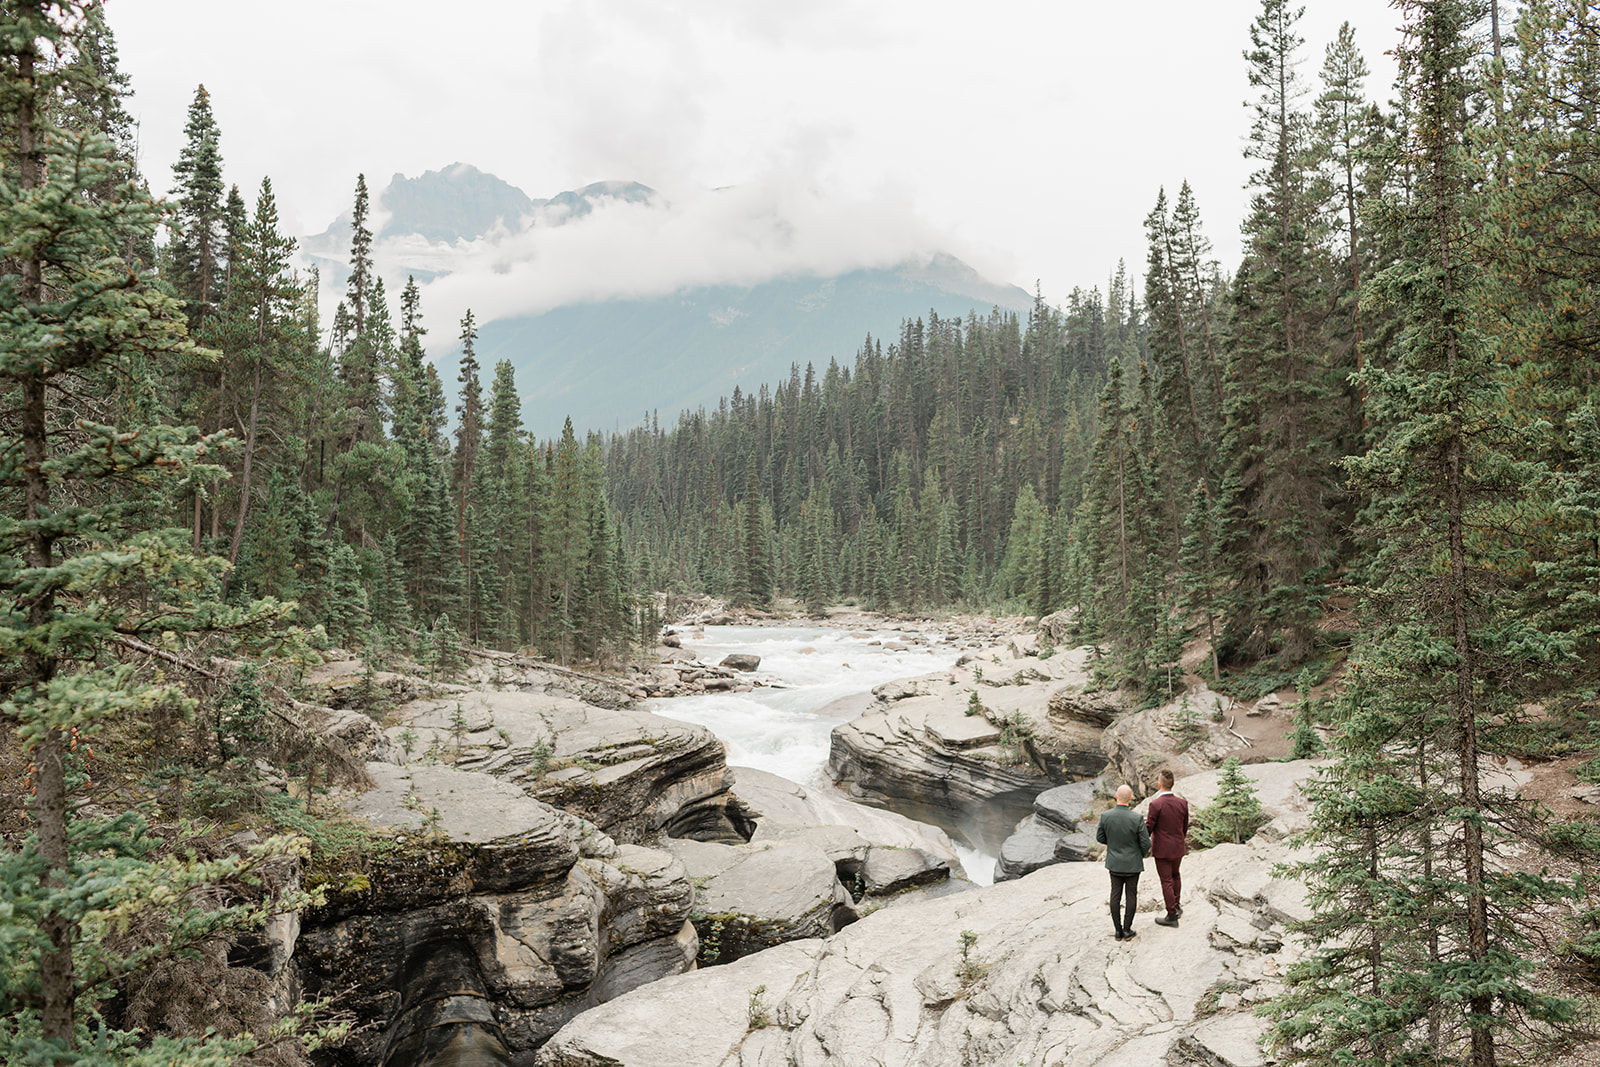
<point>1074,703</point>
<point>1074,847</point>
<point>1140,744</point>
<point>629,772</point>
<point>1271,704</point>
<point>556,913</point>
<point>1033,846</point>
<point>1066,806</point>
<point>1056,628</point>
<point>751,897</point>
<point>1224,1041</point>
<point>1051,987</point>
<point>500,875</point>
<point>894,756</point>
<point>788,811</point>
<point>918,751</point>
<point>888,870</point>
<point>741,661</point>
<point>1050,834</point>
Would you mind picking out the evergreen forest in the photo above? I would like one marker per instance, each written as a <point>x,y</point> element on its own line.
<point>1370,449</point>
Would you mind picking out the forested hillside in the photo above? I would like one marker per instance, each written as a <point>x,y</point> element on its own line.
<point>1375,440</point>
<point>1183,454</point>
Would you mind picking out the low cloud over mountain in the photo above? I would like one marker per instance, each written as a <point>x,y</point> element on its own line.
<point>709,288</point>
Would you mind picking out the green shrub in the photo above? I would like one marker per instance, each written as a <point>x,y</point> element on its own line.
<point>1235,815</point>
<point>758,1015</point>
<point>969,971</point>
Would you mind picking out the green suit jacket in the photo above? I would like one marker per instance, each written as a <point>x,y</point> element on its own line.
<point>1127,840</point>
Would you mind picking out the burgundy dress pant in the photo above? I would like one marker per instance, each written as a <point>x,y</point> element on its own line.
<point>1171,882</point>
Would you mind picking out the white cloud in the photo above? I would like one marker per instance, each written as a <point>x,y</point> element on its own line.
<point>1034,131</point>
<point>732,236</point>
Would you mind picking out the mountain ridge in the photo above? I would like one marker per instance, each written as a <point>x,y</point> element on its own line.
<point>609,360</point>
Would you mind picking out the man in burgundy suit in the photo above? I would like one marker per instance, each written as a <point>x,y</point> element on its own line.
<point>1168,820</point>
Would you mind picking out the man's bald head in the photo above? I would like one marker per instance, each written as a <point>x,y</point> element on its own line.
<point>1124,795</point>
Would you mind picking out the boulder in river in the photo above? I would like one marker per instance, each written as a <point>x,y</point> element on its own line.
<point>741,661</point>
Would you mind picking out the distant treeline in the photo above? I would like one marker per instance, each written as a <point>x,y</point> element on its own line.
<point>1181,458</point>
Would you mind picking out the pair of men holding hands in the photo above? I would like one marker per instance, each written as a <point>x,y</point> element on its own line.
<point>1163,832</point>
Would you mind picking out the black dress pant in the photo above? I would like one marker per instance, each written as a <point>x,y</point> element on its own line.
<point>1125,886</point>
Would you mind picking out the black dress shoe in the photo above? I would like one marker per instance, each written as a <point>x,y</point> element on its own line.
<point>1168,919</point>
<point>1129,935</point>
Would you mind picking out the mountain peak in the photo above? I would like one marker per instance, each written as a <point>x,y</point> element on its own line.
<point>459,202</point>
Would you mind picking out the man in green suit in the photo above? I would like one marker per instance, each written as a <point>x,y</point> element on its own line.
<point>1127,842</point>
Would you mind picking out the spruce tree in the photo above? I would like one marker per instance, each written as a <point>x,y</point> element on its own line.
<point>1235,814</point>
<point>262,330</point>
<point>469,427</point>
<point>757,556</point>
<point>1279,528</point>
<point>1341,130</point>
<point>1445,655</point>
<point>197,252</point>
<point>1539,224</point>
<point>79,577</point>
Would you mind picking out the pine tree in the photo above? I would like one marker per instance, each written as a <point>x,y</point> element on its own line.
<point>75,320</point>
<point>1235,814</point>
<point>197,251</point>
<point>1445,654</point>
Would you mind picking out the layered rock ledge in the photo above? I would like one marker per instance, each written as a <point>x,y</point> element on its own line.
<point>923,747</point>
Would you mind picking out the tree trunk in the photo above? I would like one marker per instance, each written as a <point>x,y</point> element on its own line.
<point>49,754</point>
<point>244,477</point>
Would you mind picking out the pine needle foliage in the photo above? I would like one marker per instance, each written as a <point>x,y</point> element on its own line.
<point>1234,814</point>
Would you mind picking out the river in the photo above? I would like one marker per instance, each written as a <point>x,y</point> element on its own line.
<point>785,728</point>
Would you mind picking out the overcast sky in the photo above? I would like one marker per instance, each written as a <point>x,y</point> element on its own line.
<point>1028,138</point>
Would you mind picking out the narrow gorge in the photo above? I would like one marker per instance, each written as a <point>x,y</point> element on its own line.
<point>639,869</point>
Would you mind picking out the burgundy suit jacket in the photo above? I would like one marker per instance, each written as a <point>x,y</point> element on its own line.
<point>1168,820</point>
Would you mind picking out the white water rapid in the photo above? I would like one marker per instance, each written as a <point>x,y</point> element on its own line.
<point>785,728</point>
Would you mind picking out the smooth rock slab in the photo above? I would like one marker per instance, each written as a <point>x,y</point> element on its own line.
<point>1226,1041</point>
<point>463,806</point>
<point>752,897</point>
<point>1057,991</point>
<point>889,870</point>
